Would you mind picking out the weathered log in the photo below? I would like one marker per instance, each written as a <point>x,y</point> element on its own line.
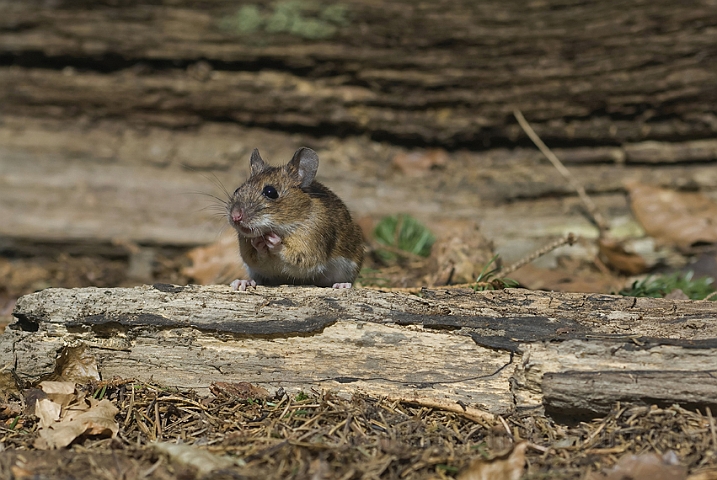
<point>495,351</point>
<point>445,72</point>
<point>594,391</point>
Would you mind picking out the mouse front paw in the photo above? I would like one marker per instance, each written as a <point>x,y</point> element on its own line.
<point>341,285</point>
<point>269,243</point>
<point>241,285</point>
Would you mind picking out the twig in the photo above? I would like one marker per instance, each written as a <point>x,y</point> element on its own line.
<point>396,250</point>
<point>587,201</point>
<point>708,298</point>
<point>471,413</point>
<point>568,239</point>
<point>712,427</point>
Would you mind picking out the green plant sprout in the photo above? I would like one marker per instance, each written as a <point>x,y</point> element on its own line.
<point>403,233</point>
<point>487,276</point>
<point>661,285</point>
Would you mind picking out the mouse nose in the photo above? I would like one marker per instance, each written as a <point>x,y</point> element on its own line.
<point>237,216</point>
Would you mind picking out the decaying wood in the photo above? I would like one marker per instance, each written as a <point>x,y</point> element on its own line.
<point>494,351</point>
<point>591,375</point>
<point>443,72</point>
<point>581,392</point>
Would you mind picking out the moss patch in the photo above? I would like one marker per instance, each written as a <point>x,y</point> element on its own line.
<point>300,18</point>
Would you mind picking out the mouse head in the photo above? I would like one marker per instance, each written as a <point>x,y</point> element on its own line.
<point>274,199</point>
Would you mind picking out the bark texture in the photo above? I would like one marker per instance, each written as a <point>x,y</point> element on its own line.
<point>493,351</point>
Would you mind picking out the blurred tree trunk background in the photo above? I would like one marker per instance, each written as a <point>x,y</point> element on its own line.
<point>445,73</point>
<point>112,111</point>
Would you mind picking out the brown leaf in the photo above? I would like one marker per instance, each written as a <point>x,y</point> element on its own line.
<point>216,263</point>
<point>47,411</point>
<point>674,218</point>
<point>203,461</point>
<point>704,475</point>
<point>242,390</point>
<point>570,276</point>
<point>65,414</point>
<point>77,364</point>
<point>614,255</point>
<point>649,466</point>
<point>10,410</point>
<point>20,472</point>
<point>505,467</point>
<point>98,419</point>
<point>459,254</point>
<point>677,294</point>
<point>61,393</point>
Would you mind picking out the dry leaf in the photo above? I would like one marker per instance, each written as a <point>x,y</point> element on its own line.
<point>98,419</point>
<point>216,263</point>
<point>77,364</point>
<point>677,294</point>
<point>62,393</point>
<point>710,474</point>
<point>505,467</point>
<point>614,255</point>
<point>416,164</point>
<point>65,415</point>
<point>648,466</point>
<point>20,472</point>
<point>10,410</point>
<point>674,218</point>
<point>205,462</point>
<point>570,276</point>
<point>242,390</point>
<point>459,254</point>
<point>47,411</point>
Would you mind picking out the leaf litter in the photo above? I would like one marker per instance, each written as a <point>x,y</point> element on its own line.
<point>167,433</point>
<point>682,219</point>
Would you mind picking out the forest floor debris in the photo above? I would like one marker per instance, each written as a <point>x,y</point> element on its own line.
<point>244,432</point>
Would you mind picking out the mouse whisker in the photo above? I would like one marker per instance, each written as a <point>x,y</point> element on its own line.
<point>204,194</point>
<point>217,183</point>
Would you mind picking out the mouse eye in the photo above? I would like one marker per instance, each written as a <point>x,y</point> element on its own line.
<point>270,192</point>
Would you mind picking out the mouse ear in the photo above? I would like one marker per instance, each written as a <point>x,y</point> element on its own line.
<point>303,166</point>
<point>256,162</point>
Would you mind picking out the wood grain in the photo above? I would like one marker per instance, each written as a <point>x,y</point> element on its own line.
<point>494,351</point>
<point>446,73</point>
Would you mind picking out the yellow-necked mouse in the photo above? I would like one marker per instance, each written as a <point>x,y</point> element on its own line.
<point>292,229</point>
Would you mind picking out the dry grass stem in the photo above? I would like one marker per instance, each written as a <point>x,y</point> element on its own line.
<point>568,239</point>
<point>587,201</point>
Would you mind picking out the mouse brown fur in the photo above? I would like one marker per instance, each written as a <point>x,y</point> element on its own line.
<point>292,229</point>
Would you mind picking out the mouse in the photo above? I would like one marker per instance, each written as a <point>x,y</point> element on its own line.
<point>293,230</point>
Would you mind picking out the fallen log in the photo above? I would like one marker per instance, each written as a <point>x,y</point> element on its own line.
<point>494,351</point>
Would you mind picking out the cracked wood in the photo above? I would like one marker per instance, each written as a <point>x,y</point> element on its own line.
<point>495,351</point>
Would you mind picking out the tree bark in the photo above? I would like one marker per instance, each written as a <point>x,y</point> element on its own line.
<point>493,351</point>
